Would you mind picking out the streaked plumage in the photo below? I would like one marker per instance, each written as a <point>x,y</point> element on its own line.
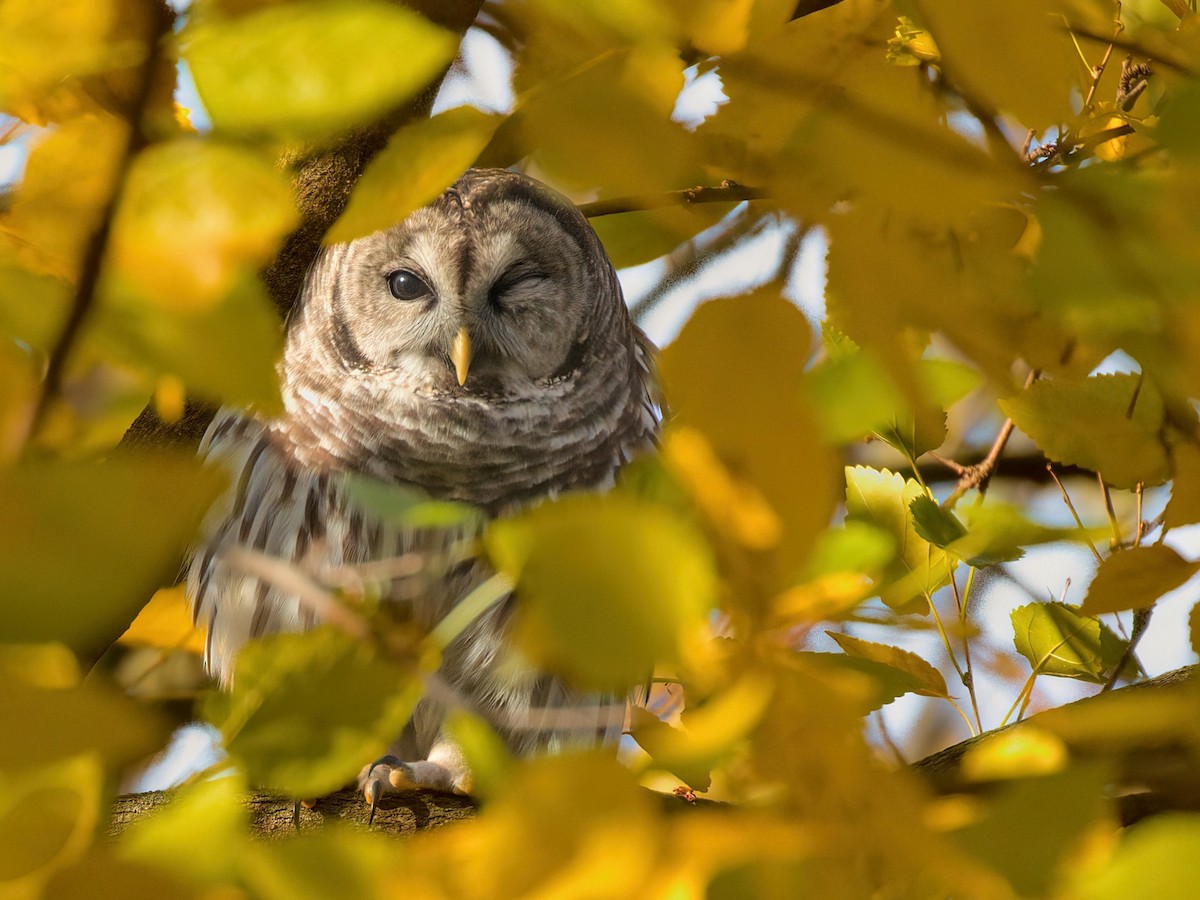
<point>559,394</point>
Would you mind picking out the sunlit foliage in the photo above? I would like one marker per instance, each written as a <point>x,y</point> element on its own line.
<point>1009,192</point>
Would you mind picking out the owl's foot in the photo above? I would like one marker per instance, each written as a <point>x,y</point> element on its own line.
<point>390,775</point>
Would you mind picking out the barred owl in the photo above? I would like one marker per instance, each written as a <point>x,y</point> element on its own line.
<point>480,351</point>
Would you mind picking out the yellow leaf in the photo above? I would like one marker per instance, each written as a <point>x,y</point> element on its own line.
<point>68,180</point>
<point>166,624</point>
<point>418,163</point>
<point>196,214</point>
<point>733,507</point>
<point>1016,753</point>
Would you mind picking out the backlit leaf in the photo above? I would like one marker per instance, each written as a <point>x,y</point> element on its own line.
<point>87,543</point>
<point>308,711</point>
<point>1136,578</point>
<point>931,680</point>
<point>1097,424</point>
<point>1059,640</point>
<point>194,216</point>
<point>420,161</point>
<point>752,409</point>
<point>166,624</point>
<point>302,69</point>
<point>936,525</point>
<point>882,499</point>
<point>609,586</point>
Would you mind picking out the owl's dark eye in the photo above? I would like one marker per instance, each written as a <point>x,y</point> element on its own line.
<point>406,285</point>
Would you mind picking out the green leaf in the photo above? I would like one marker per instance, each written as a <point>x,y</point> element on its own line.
<point>420,161</point>
<point>210,816</point>
<point>633,238</point>
<point>1059,640</point>
<point>1160,858</point>
<point>308,711</point>
<point>1029,827</point>
<point>307,68</point>
<point>86,544</point>
<point>1087,423</point>
<point>855,547</point>
<point>752,409</point>
<point>1136,578</point>
<point>318,864</point>
<point>410,507</point>
<point>998,532</point>
<point>224,353</point>
<point>938,526</point>
<point>853,396</point>
<point>882,499</point>
<point>608,586</point>
<point>931,680</point>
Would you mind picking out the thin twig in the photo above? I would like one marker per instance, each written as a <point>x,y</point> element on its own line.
<point>93,259</point>
<point>728,192</point>
<point>1133,47</point>
<point>1115,541</point>
<point>1098,69</point>
<point>1071,506</point>
<point>968,677</point>
<point>979,475</point>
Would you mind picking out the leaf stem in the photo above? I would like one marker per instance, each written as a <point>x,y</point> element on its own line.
<point>968,677</point>
<point>1071,506</point>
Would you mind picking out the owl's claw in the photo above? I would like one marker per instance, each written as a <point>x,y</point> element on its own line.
<point>388,774</point>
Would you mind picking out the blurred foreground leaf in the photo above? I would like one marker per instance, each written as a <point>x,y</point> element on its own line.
<point>86,544</point>
<point>608,586</point>
<point>308,711</point>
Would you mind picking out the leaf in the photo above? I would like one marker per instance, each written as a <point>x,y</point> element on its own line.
<point>47,49</point>
<point>974,44</point>
<point>1059,640</point>
<point>61,721</point>
<point>69,177</point>
<point>1194,628</point>
<point>1184,506</point>
<point>998,532</point>
<point>308,711</point>
<point>87,543</point>
<point>853,396</point>
<point>317,864</point>
<point>1015,753</point>
<point>1136,578</point>
<point>410,507</point>
<point>165,623</point>
<point>608,586</point>
<point>938,526</point>
<point>225,353</point>
<point>307,68</point>
<point>931,680</point>
<point>709,732</point>
<point>1086,423</point>
<point>201,832</point>
<point>194,216</point>
<point>752,411</point>
<point>1160,858</point>
<point>882,499</point>
<point>879,684</point>
<point>420,161</point>
<point>633,238</point>
<point>1031,826</point>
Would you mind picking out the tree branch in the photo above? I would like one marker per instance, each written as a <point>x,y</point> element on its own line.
<point>84,299</point>
<point>728,192</point>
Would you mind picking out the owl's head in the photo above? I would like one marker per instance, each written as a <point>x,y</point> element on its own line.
<point>497,286</point>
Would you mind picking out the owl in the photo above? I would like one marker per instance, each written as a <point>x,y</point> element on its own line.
<point>480,351</point>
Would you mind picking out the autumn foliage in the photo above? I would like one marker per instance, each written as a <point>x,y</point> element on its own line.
<point>1009,194</point>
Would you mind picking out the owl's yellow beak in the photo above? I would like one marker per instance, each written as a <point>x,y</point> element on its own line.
<point>460,355</point>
